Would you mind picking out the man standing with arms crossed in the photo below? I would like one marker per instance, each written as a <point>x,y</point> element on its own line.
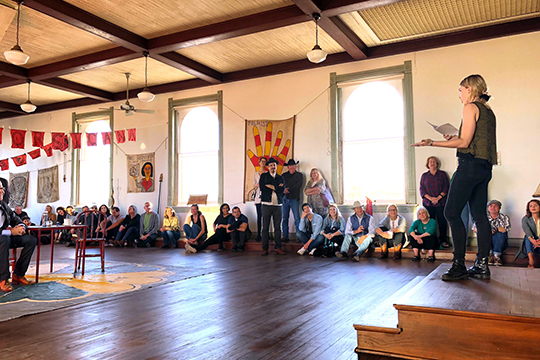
<point>291,199</point>
<point>272,186</point>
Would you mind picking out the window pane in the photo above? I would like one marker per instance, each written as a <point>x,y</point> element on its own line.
<point>199,131</point>
<point>198,176</point>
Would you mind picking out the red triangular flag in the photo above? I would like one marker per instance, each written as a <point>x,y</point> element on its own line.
<point>120,136</point>
<point>369,206</point>
<point>57,140</point>
<point>17,139</point>
<point>106,138</point>
<point>1,131</point>
<point>91,139</point>
<point>48,149</point>
<point>19,160</point>
<point>65,143</point>
<point>4,164</point>
<point>76,140</point>
<point>132,134</point>
<point>37,138</point>
<point>34,154</point>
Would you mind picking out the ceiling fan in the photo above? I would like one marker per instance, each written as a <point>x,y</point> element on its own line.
<point>127,107</point>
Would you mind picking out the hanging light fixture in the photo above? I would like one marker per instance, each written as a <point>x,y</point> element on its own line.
<point>316,55</point>
<point>28,106</point>
<point>16,56</point>
<point>145,95</point>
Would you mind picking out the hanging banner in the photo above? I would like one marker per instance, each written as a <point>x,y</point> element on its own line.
<point>120,136</point>
<point>57,140</point>
<point>76,140</point>
<point>279,140</point>
<point>34,154</point>
<point>106,136</point>
<point>65,143</point>
<point>18,189</point>
<point>1,131</point>
<point>132,134</point>
<point>141,172</point>
<point>4,164</point>
<point>47,186</point>
<point>48,149</point>
<point>19,160</point>
<point>91,139</point>
<point>17,138</point>
<point>38,138</point>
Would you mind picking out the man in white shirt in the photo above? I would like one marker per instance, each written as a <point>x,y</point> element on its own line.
<point>360,229</point>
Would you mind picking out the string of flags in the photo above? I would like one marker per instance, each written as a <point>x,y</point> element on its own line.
<point>59,141</point>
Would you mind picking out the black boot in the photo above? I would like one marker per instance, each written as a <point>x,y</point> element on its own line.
<point>480,269</point>
<point>458,271</point>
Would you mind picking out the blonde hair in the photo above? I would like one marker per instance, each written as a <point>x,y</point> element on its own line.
<point>319,179</point>
<point>173,213</point>
<point>478,88</point>
<point>338,213</point>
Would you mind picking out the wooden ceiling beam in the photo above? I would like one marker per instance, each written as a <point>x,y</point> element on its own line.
<point>242,26</point>
<point>189,66</point>
<point>6,81</point>
<point>13,71</point>
<point>337,7</point>
<point>66,105</point>
<point>8,115</point>
<point>82,63</point>
<point>76,88</point>
<point>88,22</point>
<point>13,108</point>
<point>336,29</point>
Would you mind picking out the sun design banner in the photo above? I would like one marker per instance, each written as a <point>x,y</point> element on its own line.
<point>266,138</point>
<point>141,172</point>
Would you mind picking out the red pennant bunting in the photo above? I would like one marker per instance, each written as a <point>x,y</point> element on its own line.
<point>65,143</point>
<point>48,149</point>
<point>120,136</point>
<point>17,139</point>
<point>106,138</point>
<point>132,134</point>
<point>19,160</point>
<point>91,139</point>
<point>4,164</point>
<point>1,131</point>
<point>76,140</point>
<point>57,140</point>
<point>34,154</point>
<point>37,138</point>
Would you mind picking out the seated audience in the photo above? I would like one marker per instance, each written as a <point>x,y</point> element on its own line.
<point>26,220</point>
<point>13,238</point>
<point>103,214</point>
<point>72,215</point>
<point>531,227</point>
<point>61,236</point>
<point>111,225</point>
<point>423,232</point>
<point>149,226</point>
<point>309,230</point>
<point>129,229</point>
<point>360,230</point>
<point>170,230</point>
<point>220,232</point>
<point>333,228</point>
<point>195,227</point>
<point>391,231</point>
<point>50,214</point>
<point>500,226</point>
<point>19,212</point>
<point>238,229</point>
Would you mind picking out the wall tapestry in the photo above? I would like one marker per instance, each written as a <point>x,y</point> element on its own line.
<point>279,138</point>
<point>47,187</point>
<point>18,188</point>
<point>141,172</point>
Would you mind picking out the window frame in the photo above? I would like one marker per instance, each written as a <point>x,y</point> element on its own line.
<point>174,146</point>
<point>76,121</point>
<point>336,124</point>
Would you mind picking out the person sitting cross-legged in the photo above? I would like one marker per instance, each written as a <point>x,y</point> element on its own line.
<point>391,230</point>
<point>333,230</point>
<point>170,230</point>
<point>309,230</point>
<point>424,235</point>
<point>129,228</point>
<point>238,229</point>
<point>360,229</point>
<point>220,232</point>
<point>149,226</point>
<point>195,227</point>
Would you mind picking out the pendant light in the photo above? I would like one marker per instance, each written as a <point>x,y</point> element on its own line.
<point>16,56</point>
<point>145,95</point>
<point>28,106</point>
<point>316,55</point>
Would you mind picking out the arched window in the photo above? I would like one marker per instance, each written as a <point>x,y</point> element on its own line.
<point>198,155</point>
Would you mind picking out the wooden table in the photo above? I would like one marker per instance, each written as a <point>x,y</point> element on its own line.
<point>52,229</point>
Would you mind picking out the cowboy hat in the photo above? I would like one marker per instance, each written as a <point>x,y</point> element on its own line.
<point>291,162</point>
<point>356,204</point>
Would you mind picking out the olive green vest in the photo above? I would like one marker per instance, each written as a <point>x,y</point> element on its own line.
<point>484,142</point>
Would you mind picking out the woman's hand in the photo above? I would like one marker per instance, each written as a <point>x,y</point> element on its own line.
<point>450,137</point>
<point>424,142</point>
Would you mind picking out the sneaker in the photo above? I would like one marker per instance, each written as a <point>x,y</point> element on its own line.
<point>312,252</point>
<point>480,269</point>
<point>341,255</point>
<point>498,261</point>
<point>302,251</point>
<point>491,259</point>
<point>458,271</point>
<point>234,249</point>
<point>190,249</point>
<point>430,259</point>
<point>356,258</point>
<point>445,245</point>
<point>416,258</point>
<point>220,249</point>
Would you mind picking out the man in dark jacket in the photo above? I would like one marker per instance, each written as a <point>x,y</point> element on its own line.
<point>291,198</point>
<point>272,186</point>
<point>13,238</point>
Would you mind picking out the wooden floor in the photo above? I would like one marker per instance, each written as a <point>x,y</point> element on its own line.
<point>246,307</point>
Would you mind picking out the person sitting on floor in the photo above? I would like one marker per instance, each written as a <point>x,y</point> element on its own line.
<point>220,232</point>
<point>72,215</point>
<point>111,225</point>
<point>531,227</point>
<point>309,230</point>
<point>13,238</point>
<point>102,216</point>
<point>333,230</point>
<point>391,230</point>
<point>61,236</point>
<point>238,229</point>
<point>129,228</point>
<point>26,220</point>
<point>170,230</point>
<point>19,212</point>
<point>149,226</point>
<point>424,235</point>
<point>360,230</point>
<point>500,226</point>
<point>195,227</point>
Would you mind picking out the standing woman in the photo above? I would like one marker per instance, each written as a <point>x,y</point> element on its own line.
<point>477,153</point>
<point>258,206</point>
<point>434,187</point>
<point>314,188</point>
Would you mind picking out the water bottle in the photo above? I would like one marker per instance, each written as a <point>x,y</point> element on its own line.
<point>44,218</point>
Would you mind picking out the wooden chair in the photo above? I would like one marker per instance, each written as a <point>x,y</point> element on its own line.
<point>88,237</point>
<point>13,259</point>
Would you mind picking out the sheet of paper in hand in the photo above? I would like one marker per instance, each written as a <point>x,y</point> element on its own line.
<point>445,129</point>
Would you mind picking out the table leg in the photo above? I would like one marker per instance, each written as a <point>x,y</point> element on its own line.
<point>83,255</point>
<point>38,252</point>
<point>52,249</point>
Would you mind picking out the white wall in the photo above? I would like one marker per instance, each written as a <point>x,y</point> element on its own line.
<point>509,65</point>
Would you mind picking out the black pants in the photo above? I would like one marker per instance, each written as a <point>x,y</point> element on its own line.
<point>239,238</point>
<point>274,213</point>
<point>428,243</point>
<point>27,242</point>
<point>219,237</point>
<point>470,184</point>
<point>437,214</point>
<point>258,207</point>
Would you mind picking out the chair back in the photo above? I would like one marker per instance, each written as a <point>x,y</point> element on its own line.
<point>92,219</point>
